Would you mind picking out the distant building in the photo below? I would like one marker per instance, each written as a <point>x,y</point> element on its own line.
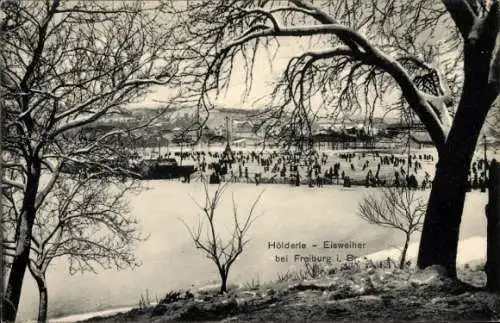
<point>372,127</point>
<point>243,129</point>
<point>421,139</point>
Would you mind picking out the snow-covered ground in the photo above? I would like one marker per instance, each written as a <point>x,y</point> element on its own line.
<point>170,261</point>
<point>85,316</point>
<point>472,249</point>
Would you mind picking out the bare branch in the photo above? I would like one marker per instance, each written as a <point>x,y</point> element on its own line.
<point>223,254</point>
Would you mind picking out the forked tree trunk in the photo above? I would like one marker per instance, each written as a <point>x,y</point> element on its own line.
<point>440,234</point>
<point>223,284</point>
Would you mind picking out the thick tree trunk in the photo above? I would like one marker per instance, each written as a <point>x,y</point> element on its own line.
<point>10,303</point>
<point>439,240</point>
<point>493,230</point>
<point>14,285</point>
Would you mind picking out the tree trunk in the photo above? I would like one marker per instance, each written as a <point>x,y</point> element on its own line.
<point>493,230</point>
<point>24,228</point>
<point>223,283</point>
<point>439,240</point>
<point>43,299</point>
<point>405,250</point>
<point>42,306</point>
<point>13,292</point>
<point>39,275</point>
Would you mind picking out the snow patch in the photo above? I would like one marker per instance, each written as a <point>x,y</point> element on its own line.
<point>469,250</point>
<point>86,316</point>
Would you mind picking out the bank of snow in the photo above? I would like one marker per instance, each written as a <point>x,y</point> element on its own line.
<point>470,250</point>
<point>85,316</point>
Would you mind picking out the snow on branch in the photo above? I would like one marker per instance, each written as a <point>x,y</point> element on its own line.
<point>433,86</point>
<point>88,223</point>
<point>8,182</point>
<point>362,59</point>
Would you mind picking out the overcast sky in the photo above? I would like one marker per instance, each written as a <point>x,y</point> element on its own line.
<point>264,73</point>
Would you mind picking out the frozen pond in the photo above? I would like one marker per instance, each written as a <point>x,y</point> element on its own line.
<point>170,261</point>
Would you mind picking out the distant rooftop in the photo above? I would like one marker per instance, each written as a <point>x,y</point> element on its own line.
<point>421,137</point>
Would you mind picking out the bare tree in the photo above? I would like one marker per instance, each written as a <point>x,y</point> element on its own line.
<point>222,252</point>
<point>397,208</point>
<point>86,220</point>
<point>65,65</point>
<point>440,57</point>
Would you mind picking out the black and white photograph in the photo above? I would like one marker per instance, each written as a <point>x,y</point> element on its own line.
<point>250,160</point>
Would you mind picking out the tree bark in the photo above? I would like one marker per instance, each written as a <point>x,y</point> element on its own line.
<point>39,275</point>
<point>42,306</point>
<point>10,302</point>
<point>492,267</point>
<point>440,234</point>
<point>405,250</point>
<point>14,285</point>
<point>43,299</point>
<point>439,240</point>
<point>223,284</point>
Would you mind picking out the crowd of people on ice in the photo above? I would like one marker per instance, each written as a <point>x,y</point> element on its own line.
<point>370,169</point>
<point>315,169</point>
